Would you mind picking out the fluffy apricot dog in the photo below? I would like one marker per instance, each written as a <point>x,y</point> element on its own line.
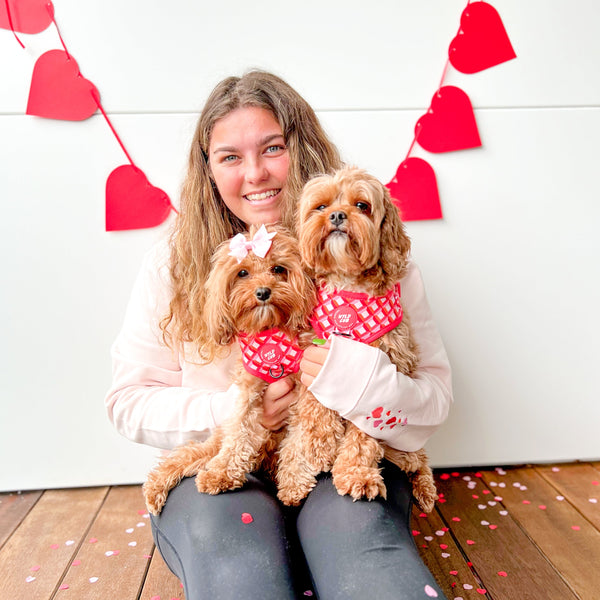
<point>354,245</point>
<point>260,296</point>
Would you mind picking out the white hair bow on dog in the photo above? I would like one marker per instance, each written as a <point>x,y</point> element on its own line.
<point>260,244</point>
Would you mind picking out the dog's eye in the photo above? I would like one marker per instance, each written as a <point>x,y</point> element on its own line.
<point>321,207</point>
<point>279,270</point>
<point>243,273</point>
<point>363,207</point>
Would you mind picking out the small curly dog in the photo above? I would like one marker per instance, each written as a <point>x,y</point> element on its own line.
<point>259,294</point>
<point>355,248</point>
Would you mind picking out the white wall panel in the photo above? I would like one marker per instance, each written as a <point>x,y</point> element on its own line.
<point>510,271</point>
<point>154,57</point>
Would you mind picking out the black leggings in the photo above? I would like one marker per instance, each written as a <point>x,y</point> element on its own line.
<point>330,546</point>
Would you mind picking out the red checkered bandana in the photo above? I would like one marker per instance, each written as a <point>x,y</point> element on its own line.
<point>270,354</point>
<point>356,315</point>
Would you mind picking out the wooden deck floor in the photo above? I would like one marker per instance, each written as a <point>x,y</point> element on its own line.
<point>518,533</point>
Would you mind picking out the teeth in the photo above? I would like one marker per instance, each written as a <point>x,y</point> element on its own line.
<point>263,195</point>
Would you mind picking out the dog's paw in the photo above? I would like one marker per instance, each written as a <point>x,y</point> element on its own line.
<point>293,496</point>
<point>215,481</point>
<point>362,482</point>
<point>155,497</point>
<point>424,493</point>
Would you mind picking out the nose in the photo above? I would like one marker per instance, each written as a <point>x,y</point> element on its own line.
<point>256,170</point>
<point>263,293</point>
<point>337,218</point>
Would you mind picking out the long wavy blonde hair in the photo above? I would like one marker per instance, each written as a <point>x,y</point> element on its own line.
<point>204,221</point>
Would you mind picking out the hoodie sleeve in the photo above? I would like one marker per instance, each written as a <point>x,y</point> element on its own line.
<point>155,397</point>
<point>360,382</point>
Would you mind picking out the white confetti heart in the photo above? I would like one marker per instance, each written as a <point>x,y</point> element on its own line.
<point>141,524</point>
<point>109,553</point>
<point>594,500</point>
<point>493,484</point>
<point>130,530</point>
<point>132,544</point>
<point>439,533</point>
<point>467,586</point>
<point>430,592</point>
<point>445,555</point>
<point>93,579</point>
<point>492,503</point>
<point>523,488</point>
<point>429,538</point>
<point>503,512</point>
<point>485,523</point>
<point>472,485</point>
<point>502,485</point>
<point>30,579</point>
<point>69,543</point>
<point>481,506</point>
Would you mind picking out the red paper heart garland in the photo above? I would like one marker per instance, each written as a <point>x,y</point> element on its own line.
<point>132,203</point>
<point>449,124</point>
<point>482,41</point>
<point>25,16</point>
<point>414,191</point>
<point>58,91</point>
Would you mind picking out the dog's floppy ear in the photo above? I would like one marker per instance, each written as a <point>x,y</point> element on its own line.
<point>216,314</point>
<point>395,243</point>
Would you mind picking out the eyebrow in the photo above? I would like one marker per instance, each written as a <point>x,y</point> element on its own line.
<point>266,140</point>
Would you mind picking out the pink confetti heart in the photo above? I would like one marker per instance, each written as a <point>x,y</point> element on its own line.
<point>503,573</point>
<point>481,591</point>
<point>453,572</point>
<point>457,519</point>
<point>36,568</point>
<point>430,592</point>
<point>64,586</point>
<point>493,527</point>
<point>54,546</point>
<point>93,540</point>
<point>470,542</point>
<point>576,528</point>
<point>443,546</point>
<point>247,518</point>
<point>542,507</point>
<point>76,563</point>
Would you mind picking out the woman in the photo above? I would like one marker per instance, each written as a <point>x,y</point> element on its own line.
<point>256,143</point>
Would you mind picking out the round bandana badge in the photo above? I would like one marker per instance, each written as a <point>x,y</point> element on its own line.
<point>345,317</point>
<point>271,354</point>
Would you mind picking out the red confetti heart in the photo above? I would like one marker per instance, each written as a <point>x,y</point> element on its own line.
<point>247,518</point>
<point>58,91</point>
<point>503,573</point>
<point>132,203</point>
<point>449,124</point>
<point>481,591</point>
<point>27,16</point>
<point>453,572</point>
<point>482,41</point>
<point>470,542</point>
<point>414,191</point>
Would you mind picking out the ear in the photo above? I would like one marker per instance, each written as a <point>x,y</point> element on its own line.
<point>219,326</point>
<point>306,297</point>
<point>395,243</point>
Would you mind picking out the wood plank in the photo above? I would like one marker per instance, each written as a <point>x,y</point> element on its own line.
<point>160,582</point>
<point>579,483</point>
<point>559,530</point>
<point>37,554</point>
<point>13,509</point>
<point>443,557</point>
<point>113,560</point>
<point>508,564</point>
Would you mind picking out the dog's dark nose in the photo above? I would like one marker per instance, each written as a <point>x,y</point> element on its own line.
<point>263,294</point>
<point>337,218</point>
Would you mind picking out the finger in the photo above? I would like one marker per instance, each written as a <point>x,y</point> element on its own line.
<point>316,354</point>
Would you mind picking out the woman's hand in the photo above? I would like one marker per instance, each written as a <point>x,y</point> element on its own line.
<point>276,403</point>
<point>312,362</point>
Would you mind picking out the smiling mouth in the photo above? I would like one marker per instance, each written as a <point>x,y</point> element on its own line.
<point>261,196</point>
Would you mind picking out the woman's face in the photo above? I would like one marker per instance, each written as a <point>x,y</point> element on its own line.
<point>249,162</point>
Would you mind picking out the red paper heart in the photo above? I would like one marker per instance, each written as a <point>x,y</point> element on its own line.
<point>449,124</point>
<point>482,41</point>
<point>414,191</point>
<point>27,16</point>
<point>132,203</point>
<point>58,91</point>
